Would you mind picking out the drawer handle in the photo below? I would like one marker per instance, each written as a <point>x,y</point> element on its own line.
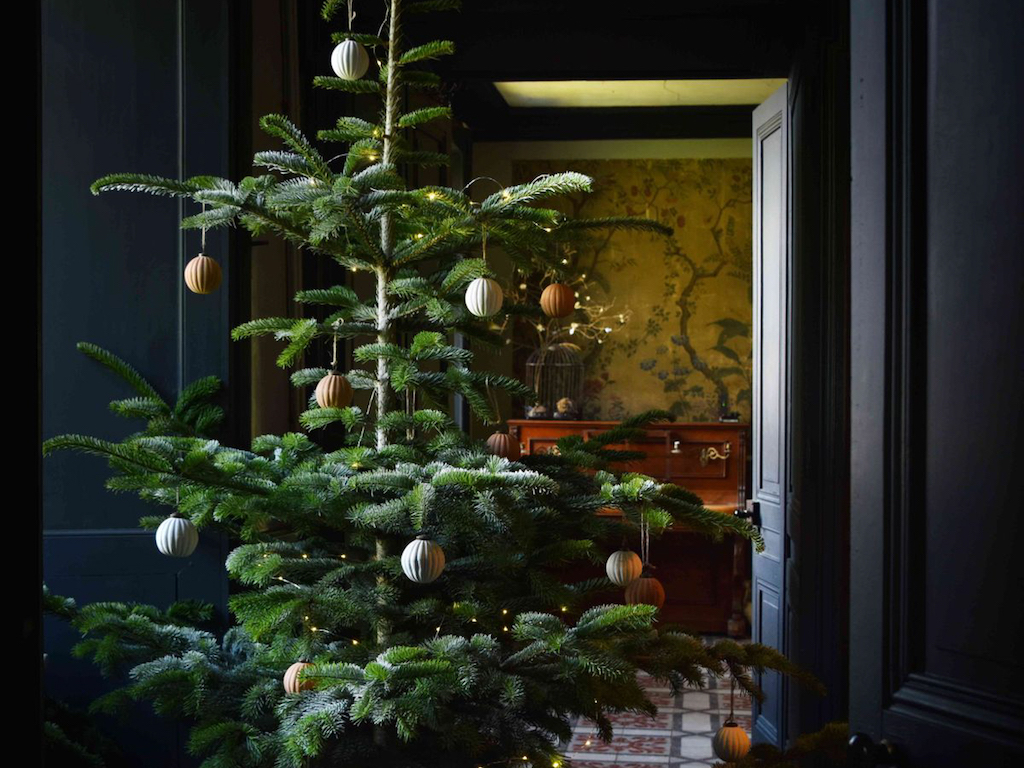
<point>711,454</point>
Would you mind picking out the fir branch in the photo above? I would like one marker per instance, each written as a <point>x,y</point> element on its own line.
<point>157,185</point>
<point>431,50</point>
<point>552,185</point>
<point>134,379</point>
<point>424,115</point>
<point>348,86</point>
<point>634,223</point>
<point>282,128</point>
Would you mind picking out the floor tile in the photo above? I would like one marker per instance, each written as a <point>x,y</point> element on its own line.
<point>693,746</point>
<point>695,722</point>
<point>678,736</point>
<point>696,701</point>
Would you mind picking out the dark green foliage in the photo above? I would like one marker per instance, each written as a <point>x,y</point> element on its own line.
<point>491,661</point>
<point>70,737</point>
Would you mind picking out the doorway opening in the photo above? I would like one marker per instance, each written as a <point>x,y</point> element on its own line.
<point>674,324</point>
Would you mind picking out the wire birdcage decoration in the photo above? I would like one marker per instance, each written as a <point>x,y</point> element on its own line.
<point>555,373</point>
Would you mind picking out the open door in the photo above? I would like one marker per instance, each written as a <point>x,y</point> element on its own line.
<point>936,422</point>
<point>770,427</point>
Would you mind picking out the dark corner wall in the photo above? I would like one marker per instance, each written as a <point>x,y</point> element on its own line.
<point>148,87</point>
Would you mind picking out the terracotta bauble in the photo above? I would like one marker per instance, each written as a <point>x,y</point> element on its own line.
<point>333,391</point>
<point>646,590</point>
<point>504,445</point>
<point>202,274</point>
<point>558,300</point>
<point>731,743</point>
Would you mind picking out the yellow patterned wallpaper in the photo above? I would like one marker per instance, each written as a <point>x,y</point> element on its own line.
<point>687,344</point>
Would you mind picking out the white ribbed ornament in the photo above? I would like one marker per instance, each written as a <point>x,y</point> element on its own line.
<point>349,60</point>
<point>177,537</point>
<point>484,297</point>
<point>422,560</point>
<point>623,567</point>
<point>291,681</point>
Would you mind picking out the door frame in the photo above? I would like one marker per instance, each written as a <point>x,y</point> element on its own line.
<point>818,508</point>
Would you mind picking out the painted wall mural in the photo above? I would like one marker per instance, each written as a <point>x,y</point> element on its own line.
<point>686,345</point>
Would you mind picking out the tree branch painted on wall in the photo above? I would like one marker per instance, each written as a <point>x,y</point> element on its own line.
<point>693,346</point>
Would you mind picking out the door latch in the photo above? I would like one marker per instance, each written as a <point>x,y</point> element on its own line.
<point>751,513</point>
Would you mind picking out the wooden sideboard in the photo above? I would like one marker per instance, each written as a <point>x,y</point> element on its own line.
<point>703,579</point>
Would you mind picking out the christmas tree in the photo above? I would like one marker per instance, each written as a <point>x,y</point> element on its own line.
<point>402,600</point>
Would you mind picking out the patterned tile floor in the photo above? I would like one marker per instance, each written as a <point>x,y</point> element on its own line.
<point>680,735</point>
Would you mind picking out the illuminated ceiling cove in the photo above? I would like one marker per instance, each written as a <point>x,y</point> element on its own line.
<point>636,93</point>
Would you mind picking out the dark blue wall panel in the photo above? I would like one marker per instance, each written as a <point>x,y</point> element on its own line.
<point>126,85</point>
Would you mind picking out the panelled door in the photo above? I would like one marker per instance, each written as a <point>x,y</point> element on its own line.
<point>936,414</point>
<point>771,395</point>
